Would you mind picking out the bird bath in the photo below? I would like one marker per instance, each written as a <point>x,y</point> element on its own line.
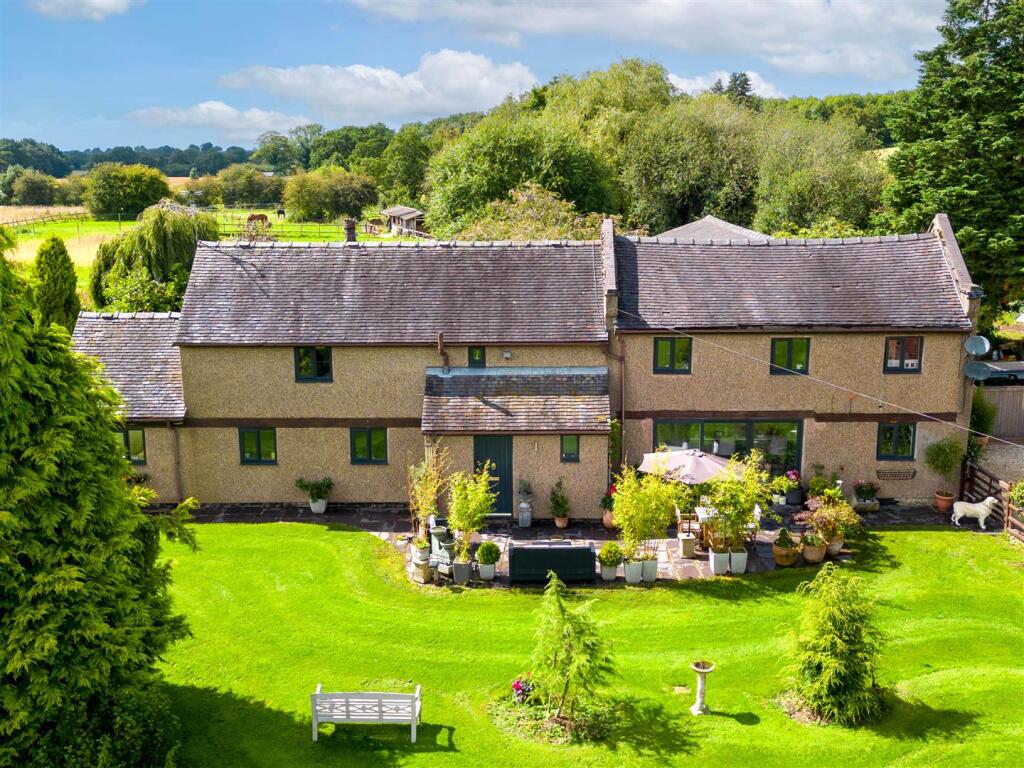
<point>702,668</point>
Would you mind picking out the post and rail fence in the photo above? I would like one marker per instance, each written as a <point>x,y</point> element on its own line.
<point>978,484</point>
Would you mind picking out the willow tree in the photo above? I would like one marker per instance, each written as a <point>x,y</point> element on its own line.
<point>164,244</point>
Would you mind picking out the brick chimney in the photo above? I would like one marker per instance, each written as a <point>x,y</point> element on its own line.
<point>350,230</point>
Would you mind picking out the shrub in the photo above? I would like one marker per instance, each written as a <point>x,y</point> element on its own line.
<point>983,412</point>
<point>643,507</point>
<point>123,189</point>
<point>736,492</point>
<point>834,518</point>
<point>943,458</point>
<point>244,183</point>
<point>837,650</point>
<point>813,539</point>
<point>783,484</point>
<point>317,490</point>
<point>70,191</point>
<point>559,501</point>
<point>56,285</point>
<point>326,194</point>
<point>470,500</point>
<point>488,553</point>
<point>784,540</point>
<point>865,489</point>
<point>819,483</point>
<point>1017,494</point>
<point>610,555</point>
<point>425,482</point>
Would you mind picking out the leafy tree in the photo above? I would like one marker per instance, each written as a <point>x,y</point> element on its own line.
<point>811,172</point>
<point>70,191</point>
<point>497,156</point>
<point>837,650</point>
<point>244,183</point>
<point>161,248</point>
<point>275,152</point>
<point>8,178</point>
<point>302,138</point>
<point>717,87</point>
<point>337,147</point>
<point>34,188</point>
<point>570,660</point>
<point>125,189</point>
<point>693,158</point>
<point>56,284</point>
<point>823,228</point>
<point>84,605</point>
<point>961,139</point>
<point>533,213</point>
<point>8,240</point>
<point>36,155</point>
<point>206,190</point>
<point>327,193</point>
<point>870,111</point>
<point>404,166</point>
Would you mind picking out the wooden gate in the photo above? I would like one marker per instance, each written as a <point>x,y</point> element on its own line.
<point>977,484</point>
<point>1009,403</point>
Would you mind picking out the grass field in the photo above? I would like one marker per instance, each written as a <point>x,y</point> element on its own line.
<point>277,608</point>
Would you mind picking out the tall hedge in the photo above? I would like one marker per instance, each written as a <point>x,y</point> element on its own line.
<point>56,284</point>
<point>84,604</point>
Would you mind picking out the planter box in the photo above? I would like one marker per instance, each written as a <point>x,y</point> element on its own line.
<point>738,561</point>
<point>719,562</point>
<point>486,571</point>
<point>525,514</point>
<point>461,571</point>
<point>649,570</point>
<point>865,505</point>
<point>609,572</point>
<point>634,571</point>
<point>318,507</point>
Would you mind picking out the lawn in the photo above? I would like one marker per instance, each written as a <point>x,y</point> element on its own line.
<point>277,608</point>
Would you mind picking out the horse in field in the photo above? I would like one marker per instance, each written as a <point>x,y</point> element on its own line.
<point>257,220</point>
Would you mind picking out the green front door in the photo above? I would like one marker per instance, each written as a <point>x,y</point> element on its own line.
<point>497,449</point>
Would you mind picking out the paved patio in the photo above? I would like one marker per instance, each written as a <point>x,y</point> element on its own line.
<point>391,524</point>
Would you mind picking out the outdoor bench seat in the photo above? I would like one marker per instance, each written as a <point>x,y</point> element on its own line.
<point>379,708</point>
<point>532,561</point>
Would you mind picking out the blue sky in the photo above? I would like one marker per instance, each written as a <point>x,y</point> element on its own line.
<point>84,73</point>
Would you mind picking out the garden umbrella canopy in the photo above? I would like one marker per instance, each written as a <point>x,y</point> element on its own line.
<point>691,466</point>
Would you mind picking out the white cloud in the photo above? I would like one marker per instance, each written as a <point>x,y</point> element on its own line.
<point>93,10</point>
<point>444,82</point>
<point>869,38</point>
<point>695,85</point>
<point>230,123</point>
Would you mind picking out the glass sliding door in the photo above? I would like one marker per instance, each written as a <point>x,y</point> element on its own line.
<point>779,441</point>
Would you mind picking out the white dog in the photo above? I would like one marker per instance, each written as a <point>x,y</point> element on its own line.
<point>980,510</point>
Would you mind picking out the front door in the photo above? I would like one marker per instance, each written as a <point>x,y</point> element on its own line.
<point>496,449</point>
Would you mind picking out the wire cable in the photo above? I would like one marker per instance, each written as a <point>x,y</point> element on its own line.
<point>824,382</point>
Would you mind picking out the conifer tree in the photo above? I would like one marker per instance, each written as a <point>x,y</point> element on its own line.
<point>56,284</point>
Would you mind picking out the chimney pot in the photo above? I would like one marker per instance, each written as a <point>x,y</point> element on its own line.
<point>350,230</point>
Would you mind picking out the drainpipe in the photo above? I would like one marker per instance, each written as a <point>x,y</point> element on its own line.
<point>177,461</point>
<point>622,389</point>
<point>443,352</point>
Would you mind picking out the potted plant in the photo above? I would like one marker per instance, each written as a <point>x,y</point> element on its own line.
<point>525,503</point>
<point>643,507</point>
<point>983,417</point>
<point>470,500</point>
<point>318,491</point>
<point>794,496</point>
<point>943,458</point>
<point>649,567</point>
<point>833,519</point>
<point>784,549</point>
<point>718,558</point>
<point>632,567</point>
<point>737,495</point>
<point>420,549</point>
<point>814,547</point>
<point>424,483</point>
<point>487,556</point>
<point>559,504</point>
<point>610,556</point>
<point>608,504</point>
<point>865,494</point>
<point>781,486</point>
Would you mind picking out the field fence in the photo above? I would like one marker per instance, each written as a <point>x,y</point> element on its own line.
<point>977,484</point>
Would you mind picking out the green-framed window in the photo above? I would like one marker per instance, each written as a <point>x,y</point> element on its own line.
<point>570,450</point>
<point>903,354</point>
<point>672,354</point>
<point>896,442</point>
<point>257,445</point>
<point>477,357</point>
<point>369,445</point>
<point>781,441</point>
<point>134,444</point>
<point>791,356</point>
<point>313,364</point>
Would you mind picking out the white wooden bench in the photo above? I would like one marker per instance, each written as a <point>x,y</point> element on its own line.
<point>366,708</point>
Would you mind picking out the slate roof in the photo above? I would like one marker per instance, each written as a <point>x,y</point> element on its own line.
<point>516,400</point>
<point>712,228</point>
<point>139,358</point>
<point>402,211</point>
<point>361,293</point>
<point>892,282</point>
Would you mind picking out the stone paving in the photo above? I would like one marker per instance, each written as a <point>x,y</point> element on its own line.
<point>390,523</point>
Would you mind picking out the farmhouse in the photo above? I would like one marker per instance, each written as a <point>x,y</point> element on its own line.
<point>350,360</point>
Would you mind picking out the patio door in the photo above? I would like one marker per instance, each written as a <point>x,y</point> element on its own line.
<point>497,449</point>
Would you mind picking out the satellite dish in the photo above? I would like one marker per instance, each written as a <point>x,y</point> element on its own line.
<point>977,345</point>
<point>977,371</point>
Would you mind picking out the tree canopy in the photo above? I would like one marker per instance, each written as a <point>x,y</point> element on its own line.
<point>327,193</point>
<point>56,284</point>
<point>961,140</point>
<point>532,213</point>
<point>123,189</point>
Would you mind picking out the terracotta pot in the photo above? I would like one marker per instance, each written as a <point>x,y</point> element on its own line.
<point>784,556</point>
<point>943,503</point>
<point>815,554</point>
<point>608,519</point>
<point>982,441</point>
<point>562,522</point>
<point>835,546</point>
